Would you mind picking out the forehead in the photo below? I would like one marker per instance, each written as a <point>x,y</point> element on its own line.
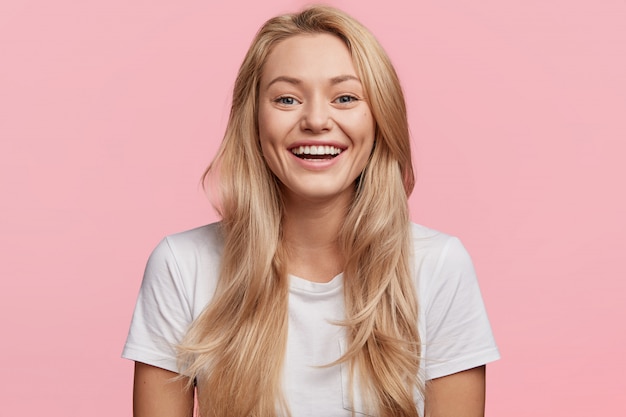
<point>314,57</point>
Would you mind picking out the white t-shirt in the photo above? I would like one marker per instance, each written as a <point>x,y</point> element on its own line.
<point>180,280</point>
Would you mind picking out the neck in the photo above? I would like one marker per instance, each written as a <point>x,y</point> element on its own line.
<point>310,233</point>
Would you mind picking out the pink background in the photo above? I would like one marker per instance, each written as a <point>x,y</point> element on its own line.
<point>110,110</point>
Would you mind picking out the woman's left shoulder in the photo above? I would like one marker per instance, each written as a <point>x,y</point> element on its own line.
<point>430,242</point>
<point>437,255</point>
<point>454,326</point>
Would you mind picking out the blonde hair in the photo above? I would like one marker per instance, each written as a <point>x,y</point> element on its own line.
<point>235,348</point>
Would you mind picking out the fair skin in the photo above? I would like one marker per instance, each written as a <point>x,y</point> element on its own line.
<point>457,395</point>
<point>156,393</point>
<point>311,97</point>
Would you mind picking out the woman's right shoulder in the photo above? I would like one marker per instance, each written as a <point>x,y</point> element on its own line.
<point>200,241</point>
<point>191,259</point>
<point>179,281</point>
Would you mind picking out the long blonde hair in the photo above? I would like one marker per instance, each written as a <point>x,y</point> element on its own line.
<point>235,348</point>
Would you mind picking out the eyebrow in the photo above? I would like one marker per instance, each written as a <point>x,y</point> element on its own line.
<point>344,78</point>
<point>295,81</point>
<point>286,79</point>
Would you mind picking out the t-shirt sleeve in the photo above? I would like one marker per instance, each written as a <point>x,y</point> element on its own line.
<point>458,334</point>
<point>162,313</point>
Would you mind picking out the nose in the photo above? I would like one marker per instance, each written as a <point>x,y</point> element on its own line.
<point>316,116</point>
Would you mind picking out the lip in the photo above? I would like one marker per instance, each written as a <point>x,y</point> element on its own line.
<point>316,164</point>
<point>317,143</point>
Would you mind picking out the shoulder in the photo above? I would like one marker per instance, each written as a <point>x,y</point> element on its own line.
<point>178,282</point>
<point>196,242</point>
<point>454,327</point>
<point>189,249</point>
<point>188,263</point>
<point>427,239</point>
<point>438,259</point>
<point>431,248</point>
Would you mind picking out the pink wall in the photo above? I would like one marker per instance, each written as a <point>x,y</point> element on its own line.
<point>109,112</point>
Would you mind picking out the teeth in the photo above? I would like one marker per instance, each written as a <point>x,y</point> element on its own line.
<point>316,150</point>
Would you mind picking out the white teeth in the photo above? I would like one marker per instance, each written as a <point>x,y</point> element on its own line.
<point>316,150</point>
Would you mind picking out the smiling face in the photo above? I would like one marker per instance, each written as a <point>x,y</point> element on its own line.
<point>315,125</point>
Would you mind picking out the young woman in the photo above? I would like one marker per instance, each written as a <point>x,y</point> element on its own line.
<point>315,295</point>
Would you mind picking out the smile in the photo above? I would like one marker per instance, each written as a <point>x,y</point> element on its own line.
<point>316,152</point>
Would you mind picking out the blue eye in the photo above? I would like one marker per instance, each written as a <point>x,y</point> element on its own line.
<point>286,101</point>
<point>346,99</point>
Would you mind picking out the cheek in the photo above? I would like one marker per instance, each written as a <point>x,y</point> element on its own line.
<point>268,151</point>
<point>262,121</point>
<point>266,136</point>
<point>363,124</point>
<point>270,129</point>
